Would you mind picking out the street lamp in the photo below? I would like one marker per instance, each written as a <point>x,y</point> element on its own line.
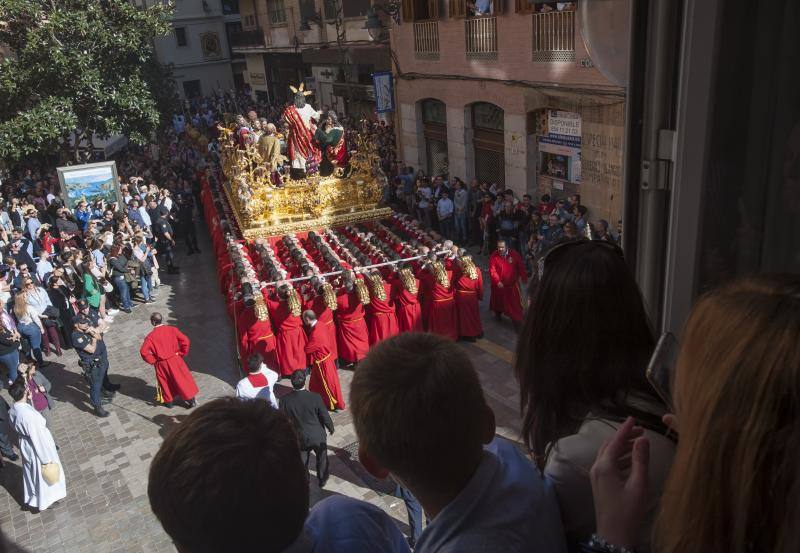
<point>391,8</point>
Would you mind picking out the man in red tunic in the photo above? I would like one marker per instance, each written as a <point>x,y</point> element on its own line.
<point>468,284</point>
<point>324,378</point>
<point>381,315</point>
<point>406,291</point>
<point>323,304</point>
<point>258,336</point>
<point>441,308</point>
<point>352,336</point>
<point>290,340</point>
<point>164,348</point>
<point>506,271</point>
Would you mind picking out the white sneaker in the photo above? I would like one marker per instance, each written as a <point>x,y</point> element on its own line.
<point>112,311</point>
<point>109,320</point>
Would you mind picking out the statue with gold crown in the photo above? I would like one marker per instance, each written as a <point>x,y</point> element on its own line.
<point>301,121</point>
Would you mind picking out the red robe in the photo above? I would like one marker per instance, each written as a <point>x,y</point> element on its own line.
<point>352,337</point>
<point>259,338</point>
<point>324,322</point>
<point>509,270</point>
<point>164,348</point>
<point>469,293</point>
<point>324,378</point>
<point>441,307</point>
<point>381,317</point>
<point>409,312</point>
<point>290,337</point>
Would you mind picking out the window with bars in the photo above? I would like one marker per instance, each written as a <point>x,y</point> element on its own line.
<point>276,12</point>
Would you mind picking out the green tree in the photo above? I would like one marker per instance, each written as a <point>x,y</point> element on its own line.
<point>80,68</point>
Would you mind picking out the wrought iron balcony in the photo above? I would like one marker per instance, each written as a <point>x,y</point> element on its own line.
<point>248,39</point>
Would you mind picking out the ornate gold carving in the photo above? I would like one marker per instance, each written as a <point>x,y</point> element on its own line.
<point>262,209</point>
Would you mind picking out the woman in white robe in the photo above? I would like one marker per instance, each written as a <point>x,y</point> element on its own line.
<point>38,448</point>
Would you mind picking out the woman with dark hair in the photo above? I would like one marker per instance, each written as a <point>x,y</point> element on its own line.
<point>581,361</point>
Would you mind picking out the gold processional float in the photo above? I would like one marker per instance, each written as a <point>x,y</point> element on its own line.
<point>262,209</point>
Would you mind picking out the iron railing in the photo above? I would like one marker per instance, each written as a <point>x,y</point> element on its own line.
<point>554,36</point>
<point>481,37</point>
<point>248,39</point>
<point>426,39</point>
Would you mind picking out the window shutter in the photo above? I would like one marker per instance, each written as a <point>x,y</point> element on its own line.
<point>433,10</point>
<point>522,6</point>
<point>497,7</point>
<point>458,8</point>
<point>408,11</point>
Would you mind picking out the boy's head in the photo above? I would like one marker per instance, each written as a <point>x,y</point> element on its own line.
<point>417,405</point>
<point>217,470</point>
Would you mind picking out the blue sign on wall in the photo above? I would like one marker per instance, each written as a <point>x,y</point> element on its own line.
<point>384,96</point>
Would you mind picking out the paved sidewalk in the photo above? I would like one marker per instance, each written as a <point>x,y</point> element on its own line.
<point>106,460</point>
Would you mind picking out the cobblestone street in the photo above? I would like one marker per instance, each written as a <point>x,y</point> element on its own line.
<point>106,461</point>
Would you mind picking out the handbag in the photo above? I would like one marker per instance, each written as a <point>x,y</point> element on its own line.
<point>107,286</point>
<point>53,316</point>
<point>51,473</point>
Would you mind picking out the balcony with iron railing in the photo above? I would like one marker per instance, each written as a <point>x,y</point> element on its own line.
<point>481,38</point>
<point>248,39</point>
<point>426,40</point>
<point>554,36</point>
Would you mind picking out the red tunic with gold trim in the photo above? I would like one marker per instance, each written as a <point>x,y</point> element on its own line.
<point>441,307</point>
<point>409,311</point>
<point>164,348</point>
<point>510,271</point>
<point>325,322</point>
<point>260,338</point>
<point>381,316</point>
<point>469,293</point>
<point>324,378</point>
<point>290,339</point>
<point>352,336</point>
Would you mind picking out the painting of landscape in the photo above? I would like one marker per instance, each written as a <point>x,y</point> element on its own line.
<point>88,183</point>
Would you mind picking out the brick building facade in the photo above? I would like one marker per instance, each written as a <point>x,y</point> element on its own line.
<point>509,96</point>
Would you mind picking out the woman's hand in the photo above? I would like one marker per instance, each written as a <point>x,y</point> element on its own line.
<point>620,485</point>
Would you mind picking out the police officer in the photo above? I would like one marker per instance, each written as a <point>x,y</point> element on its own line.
<point>164,235</point>
<point>186,222</point>
<point>88,343</point>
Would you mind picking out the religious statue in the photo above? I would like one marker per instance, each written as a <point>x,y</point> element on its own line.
<point>330,138</point>
<point>301,124</point>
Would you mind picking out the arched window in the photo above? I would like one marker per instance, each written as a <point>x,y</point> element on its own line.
<point>488,140</point>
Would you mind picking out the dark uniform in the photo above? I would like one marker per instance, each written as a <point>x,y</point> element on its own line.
<point>186,222</point>
<point>161,228</point>
<point>95,366</point>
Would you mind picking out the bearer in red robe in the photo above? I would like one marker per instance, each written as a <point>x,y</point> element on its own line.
<point>352,336</point>
<point>406,291</point>
<point>381,315</point>
<point>164,348</point>
<point>258,336</point>
<point>441,307</point>
<point>324,378</point>
<point>507,272</point>
<point>468,285</point>
<point>290,340</point>
<point>323,304</point>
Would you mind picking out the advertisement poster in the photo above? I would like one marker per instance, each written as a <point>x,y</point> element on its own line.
<point>89,182</point>
<point>384,98</point>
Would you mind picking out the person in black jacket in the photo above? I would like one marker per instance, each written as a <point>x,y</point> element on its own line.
<point>310,419</point>
<point>119,268</point>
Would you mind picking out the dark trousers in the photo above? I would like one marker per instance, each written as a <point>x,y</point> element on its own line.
<point>190,237</point>
<point>5,444</point>
<point>98,381</point>
<point>165,249</point>
<point>321,453</point>
<point>414,510</point>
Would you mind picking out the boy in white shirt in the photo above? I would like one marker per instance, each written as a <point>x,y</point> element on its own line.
<point>259,382</point>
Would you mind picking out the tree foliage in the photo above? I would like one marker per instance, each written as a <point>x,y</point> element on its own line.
<point>79,68</point>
